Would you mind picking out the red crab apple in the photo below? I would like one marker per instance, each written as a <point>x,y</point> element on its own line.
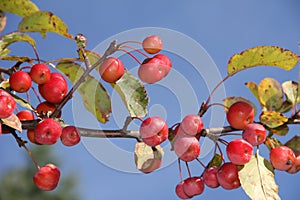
<point>30,136</point>
<point>47,131</point>
<point>111,70</point>
<point>151,70</point>
<point>25,115</point>
<point>55,89</point>
<point>70,136</point>
<point>282,158</point>
<point>210,177</point>
<point>240,114</point>
<point>296,166</point>
<point>40,73</point>
<point>187,148</point>
<point>46,108</point>
<point>20,81</point>
<point>193,186</point>
<point>47,177</point>
<point>255,134</point>
<point>7,104</point>
<point>228,176</point>
<point>154,131</point>
<point>165,60</point>
<point>152,44</point>
<point>239,151</point>
<point>191,124</point>
<point>180,192</point>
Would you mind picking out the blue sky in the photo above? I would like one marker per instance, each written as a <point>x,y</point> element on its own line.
<point>223,28</point>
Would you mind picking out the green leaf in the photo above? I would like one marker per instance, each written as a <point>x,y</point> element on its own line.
<point>227,102</point>
<point>96,99</point>
<point>290,89</point>
<point>17,58</point>
<point>262,56</point>
<point>272,143</point>
<point>43,22</point>
<point>147,159</point>
<point>133,94</point>
<point>13,122</point>
<point>253,88</point>
<point>294,144</point>
<point>215,161</point>
<point>22,8</point>
<point>11,38</point>
<point>257,179</point>
<point>270,94</point>
<point>22,102</point>
<point>281,130</point>
<point>272,119</point>
<point>4,52</point>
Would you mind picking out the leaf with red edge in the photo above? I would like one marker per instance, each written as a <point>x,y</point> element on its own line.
<point>13,122</point>
<point>262,56</point>
<point>96,99</point>
<point>146,158</point>
<point>44,22</point>
<point>22,8</point>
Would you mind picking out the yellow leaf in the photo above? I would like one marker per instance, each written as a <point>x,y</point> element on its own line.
<point>262,56</point>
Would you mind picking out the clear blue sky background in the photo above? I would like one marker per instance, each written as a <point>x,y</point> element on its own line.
<point>223,28</point>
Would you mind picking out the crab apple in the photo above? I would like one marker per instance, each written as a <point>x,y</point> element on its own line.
<point>210,177</point>
<point>46,109</point>
<point>70,136</point>
<point>40,73</point>
<point>240,114</point>
<point>151,70</point>
<point>20,81</point>
<point>282,158</point>
<point>47,131</point>
<point>180,192</point>
<point>154,131</point>
<point>165,60</point>
<point>152,44</point>
<point>193,186</point>
<point>47,177</point>
<point>187,148</point>
<point>111,70</point>
<point>7,104</point>
<point>30,136</point>
<point>296,166</point>
<point>192,124</point>
<point>55,89</point>
<point>239,151</point>
<point>255,134</point>
<point>25,115</point>
<point>228,176</point>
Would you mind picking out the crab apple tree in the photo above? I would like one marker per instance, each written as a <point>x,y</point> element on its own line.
<point>34,93</point>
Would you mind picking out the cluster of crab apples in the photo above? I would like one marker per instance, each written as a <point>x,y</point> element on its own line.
<point>185,143</point>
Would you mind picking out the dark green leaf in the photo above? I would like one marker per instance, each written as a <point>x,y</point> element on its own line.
<point>270,94</point>
<point>17,58</point>
<point>95,98</point>
<point>22,8</point>
<point>294,144</point>
<point>281,130</point>
<point>272,119</point>
<point>133,94</point>
<point>262,56</point>
<point>215,161</point>
<point>257,179</point>
<point>43,22</point>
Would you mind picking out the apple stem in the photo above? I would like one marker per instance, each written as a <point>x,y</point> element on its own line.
<point>205,104</point>
<point>130,41</point>
<point>219,148</point>
<point>131,55</point>
<point>135,49</point>
<point>36,94</point>
<point>180,170</point>
<point>201,163</point>
<point>22,143</point>
<point>188,169</point>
